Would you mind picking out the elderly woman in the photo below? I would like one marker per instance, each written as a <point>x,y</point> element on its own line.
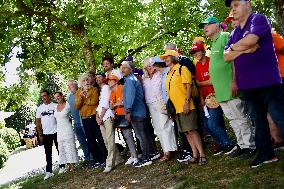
<point>87,101</point>
<point>178,85</point>
<point>163,125</point>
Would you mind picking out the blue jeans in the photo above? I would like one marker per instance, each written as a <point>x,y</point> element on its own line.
<point>143,134</point>
<point>79,131</point>
<point>259,101</point>
<point>215,124</point>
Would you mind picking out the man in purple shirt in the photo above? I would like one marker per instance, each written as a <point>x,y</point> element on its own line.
<point>251,49</point>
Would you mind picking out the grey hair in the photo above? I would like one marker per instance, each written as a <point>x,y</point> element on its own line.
<point>129,64</point>
<point>74,82</point>
<point>170,46</point>
<point>82,78</point>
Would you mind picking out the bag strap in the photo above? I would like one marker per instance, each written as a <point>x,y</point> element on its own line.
<point>171,80</point>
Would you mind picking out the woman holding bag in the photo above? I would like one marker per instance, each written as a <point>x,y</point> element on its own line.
<point>163,125</point>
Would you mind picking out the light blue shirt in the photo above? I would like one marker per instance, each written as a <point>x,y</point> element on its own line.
<point>74,112</point>
<point>164,91</point>
<point>133,97</point>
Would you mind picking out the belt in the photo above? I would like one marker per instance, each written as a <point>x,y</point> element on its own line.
<point>89,117</point>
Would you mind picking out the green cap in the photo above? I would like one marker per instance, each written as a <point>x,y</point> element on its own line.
<point>209,20</point>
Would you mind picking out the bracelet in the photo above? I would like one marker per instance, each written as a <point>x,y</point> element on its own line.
<point>231,47</point>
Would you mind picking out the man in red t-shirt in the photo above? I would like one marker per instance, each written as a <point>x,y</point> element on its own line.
<point>213,114</point>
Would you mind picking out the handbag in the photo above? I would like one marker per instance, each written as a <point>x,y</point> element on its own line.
<point>170,106</point>
<point>211,101</point>
<point>121,122</point>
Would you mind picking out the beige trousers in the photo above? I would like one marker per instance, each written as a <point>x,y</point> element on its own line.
<point>239,121</point>
<point>113,156</point>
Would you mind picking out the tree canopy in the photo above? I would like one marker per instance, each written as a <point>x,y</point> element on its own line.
<point>67,37</point>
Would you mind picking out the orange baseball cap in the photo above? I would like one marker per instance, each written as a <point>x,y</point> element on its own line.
<point>112,77</point>
<point>169,53</point>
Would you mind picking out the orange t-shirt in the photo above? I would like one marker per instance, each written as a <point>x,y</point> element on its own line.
<point>278,41</point>
<point>115,97</point>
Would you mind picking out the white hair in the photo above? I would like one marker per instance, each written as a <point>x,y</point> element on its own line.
<point>129,64</point>
<point>82,78</point>
<point>147,62</point>
<point>74,82</point>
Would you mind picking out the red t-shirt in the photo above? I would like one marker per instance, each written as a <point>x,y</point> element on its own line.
<point>202,74</point>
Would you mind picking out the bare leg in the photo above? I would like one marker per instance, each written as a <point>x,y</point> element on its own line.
<point>274,130</point>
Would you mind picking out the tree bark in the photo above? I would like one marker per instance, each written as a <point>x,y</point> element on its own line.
<point>88,52</point>
<point>279,9</point>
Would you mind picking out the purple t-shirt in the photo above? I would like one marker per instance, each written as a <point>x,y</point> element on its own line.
<point>258,69</point>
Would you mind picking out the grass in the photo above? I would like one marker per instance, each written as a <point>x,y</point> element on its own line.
<point>220,172</point>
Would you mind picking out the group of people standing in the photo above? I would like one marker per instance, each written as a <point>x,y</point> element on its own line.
<point>176,99</point>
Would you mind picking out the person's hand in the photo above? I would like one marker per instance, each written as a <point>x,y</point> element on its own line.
<point>234,88</point>
<point>40,139</point>
<point>202,103</point>
<point>84,94</point>
<point>252,49</point>
<point>128,117</point>
<point>186,107</point>
<point>99,121</point>
<point>111,105</point>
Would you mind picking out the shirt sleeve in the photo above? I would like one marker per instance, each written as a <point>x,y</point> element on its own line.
<point>278,41</point>
<point>38,113</point>
<point>105,96</point>
<point>230,40</point>
<point>129,93</point>
<point>185,75</point>
<point>260,25</point>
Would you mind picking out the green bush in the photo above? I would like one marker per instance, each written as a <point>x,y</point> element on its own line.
<point>10,137</point>
<point>4,153</point>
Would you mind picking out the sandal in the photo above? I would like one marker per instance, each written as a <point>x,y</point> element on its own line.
<point>165,158</point>
<point>193,160</point>
<point>202,161</point>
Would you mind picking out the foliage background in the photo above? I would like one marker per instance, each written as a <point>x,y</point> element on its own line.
<point>58,40</point>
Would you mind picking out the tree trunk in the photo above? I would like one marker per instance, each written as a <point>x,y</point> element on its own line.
<point>279,7</point>
<point>88,52</point>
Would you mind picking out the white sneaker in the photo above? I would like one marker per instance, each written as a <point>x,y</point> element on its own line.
<point>61,170</point>
<point>48,175</point>
<point>107,170</point>
<point>130,161</point>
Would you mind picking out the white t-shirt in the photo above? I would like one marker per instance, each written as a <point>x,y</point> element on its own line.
<point>104,102</point>
<point>46,114</point>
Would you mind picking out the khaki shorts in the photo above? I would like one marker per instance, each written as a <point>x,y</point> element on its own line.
<point>187,122</point>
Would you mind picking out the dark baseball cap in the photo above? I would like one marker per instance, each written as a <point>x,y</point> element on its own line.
<point>228,2</point>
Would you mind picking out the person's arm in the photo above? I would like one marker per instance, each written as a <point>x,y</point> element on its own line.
<point>104,101</point>
<point>230,55</point>
<point>79,100</point>
<point>245,43</point>
<point>129,93</point>
<point>187,100</point>
<point>204,83</point>
<point>38,126</point>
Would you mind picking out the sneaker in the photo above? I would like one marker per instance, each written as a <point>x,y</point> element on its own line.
<point>217,151</point>
<point>186,156</point>
<point>155,156</point>
<point>61,170</point>
<point>229,149</point>
<point>236,153</point>
<point>130,161</point>
<point>48,175</point>
<point>143,162</point>
<point>107,170</point>
<point>247,153</point>
<point>259,160</point>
